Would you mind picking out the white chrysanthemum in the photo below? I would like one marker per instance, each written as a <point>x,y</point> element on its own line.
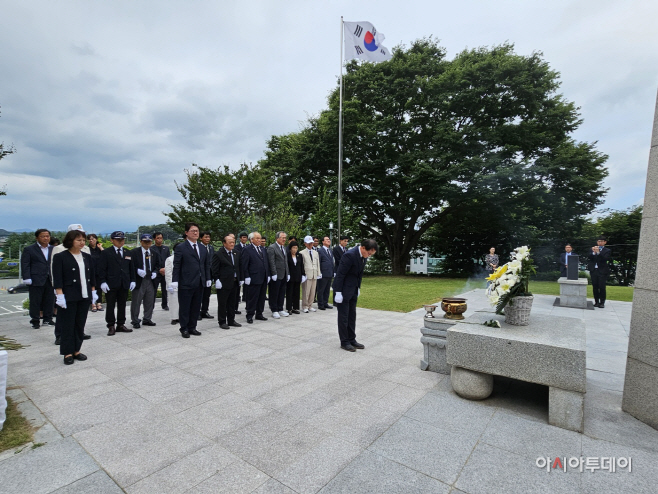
<point>514,266</point>
<point>493,300</point>
<point>522,253</point>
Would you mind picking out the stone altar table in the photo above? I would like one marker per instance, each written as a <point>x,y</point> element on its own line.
<point>549,351</point>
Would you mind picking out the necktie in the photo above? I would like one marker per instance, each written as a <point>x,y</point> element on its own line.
<point>282,251</point>
<point>310,253</point>
<point>195,251</point>
<point>147,263</point>
<point>230,253</point>
<point>119,254</point>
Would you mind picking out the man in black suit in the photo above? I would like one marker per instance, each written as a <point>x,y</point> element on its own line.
<point>255,269</point>
<point>327,270</point>
<point>239,247</point>
<point>35,267</point>
<point>146,264</point>
<point>277,257</point>
<point>599,267</point>
<point>116,277</point>
<point>163,253</point>
<point>191,274</point>
<point>340,249</point>
<point>563,260</point>
<point>347,287</point>
<point>227,275</point>
<point>205,301</point>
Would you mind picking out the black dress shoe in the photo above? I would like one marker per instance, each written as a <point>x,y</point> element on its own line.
<point>238,312</point>
<point>58,340</point>
<point>148,323</point>
<point>328,306</point>
<point>136,326</point>
<point>86,336</point>
<point>165,307</point>
<point>206,315</point>
<point>80,356</point>
<point>250,320</point>
<point>185,334</point>
<point>199,317</point>
<point>235,324</point>
<point>48,323</point>
<point>68,360</point>
<point>358,345</point>
<point>194,332</point>
<point>36,326</point>
<point>295,311</point>
<point>321,308</point>
<point>348,347</point>
<point>121,328</point>
<point>601,306</point>
<point>261,318</point>
<point>111,331</point>
<point>225,326</point>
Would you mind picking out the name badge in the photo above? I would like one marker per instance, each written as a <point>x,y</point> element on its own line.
<point>127,258</point>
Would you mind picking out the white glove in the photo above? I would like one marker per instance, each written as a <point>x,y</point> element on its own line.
<point>319,276</point>
<point>141,272</point>
<point>338,297</point>
<point>174,285</point>
<point>27,282</point>
<point>273,278</point>
<point>268,279</point>
<point>218,285</point>
<point>334,275</point>
<point>94,296</point>
<point>171,289</point>
<point>358,292</point>
<point>208,283</point>
<point>105,287</point>
<point>304,278</point>
<point>247,281</point>
<point>288,279</point>
<point>132,286</point>
<point>153,275</point>
<point>241,283</point>
<point>61,301</point>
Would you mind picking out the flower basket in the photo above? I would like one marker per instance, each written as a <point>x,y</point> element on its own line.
<point>517,311</point>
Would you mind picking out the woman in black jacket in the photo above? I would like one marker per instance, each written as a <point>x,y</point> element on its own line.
<point>297,277</point>
<point>74,282</point>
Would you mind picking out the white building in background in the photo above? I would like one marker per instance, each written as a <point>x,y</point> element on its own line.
<point>424,264</point>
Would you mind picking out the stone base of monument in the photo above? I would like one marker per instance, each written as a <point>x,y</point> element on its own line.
<point>549,351</point>
<point>573,293</point>
<point>434,332</point>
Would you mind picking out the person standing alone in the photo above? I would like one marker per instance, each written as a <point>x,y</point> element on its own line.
<point>599,268</point>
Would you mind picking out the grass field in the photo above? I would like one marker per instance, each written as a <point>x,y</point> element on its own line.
<point>407,293</point>
<point>16,431</point>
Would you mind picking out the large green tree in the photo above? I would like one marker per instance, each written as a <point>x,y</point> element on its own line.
<point>432,142</point>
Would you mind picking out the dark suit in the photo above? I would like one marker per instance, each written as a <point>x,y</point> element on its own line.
<point>36,267</point>
<point>327,271</point>
<point>226,269</point>
<point>163,253</point>
<point>145,287</point>
<point>599,268</point>
<point>278,260</point>
<point>563,264</point>
<point>255,265</point>
<point>117,271</point>
<point>347,282</point>
<point>292,287</point>
<point>191,270</point>
<point>338,254</point>
<point>239,248</point>
<point>68,278</point>
<point>207,290</point>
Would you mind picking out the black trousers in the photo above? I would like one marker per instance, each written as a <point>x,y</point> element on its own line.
<point>292,295</point>
<point>598,286</point>
<point>237,297</point>
<point>347,320</point>
<point>72,320</point>
<point>324,288</point>
<point>226,303</point>
<point>116,297</point>
<point>189,306</point>
<point>255,299</point>
<point>162,283</point>
<point>277,294</point>
<point>205,299</point>
<point>42,298</point>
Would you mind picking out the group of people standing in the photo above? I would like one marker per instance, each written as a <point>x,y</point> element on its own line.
<point>66,278</point>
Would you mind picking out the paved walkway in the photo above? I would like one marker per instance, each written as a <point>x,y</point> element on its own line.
<point>278,407</point>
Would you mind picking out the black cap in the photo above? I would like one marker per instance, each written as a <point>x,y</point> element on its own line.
<point>118,235</point>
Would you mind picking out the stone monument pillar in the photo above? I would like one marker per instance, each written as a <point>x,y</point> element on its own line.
<point>641,384</point>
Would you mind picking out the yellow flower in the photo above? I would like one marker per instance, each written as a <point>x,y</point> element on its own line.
<point>498,273</point>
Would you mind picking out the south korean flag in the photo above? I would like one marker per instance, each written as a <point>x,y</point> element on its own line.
<point>364,42</point>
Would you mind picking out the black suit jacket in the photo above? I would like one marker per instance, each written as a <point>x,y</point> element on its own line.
<point>225,270</point>
<point>67,276</point>
<point>255,266</point>
<point>350,272</point>
<point>338,254</point>
<point>296,271</point>
<point>563,264</point>
<point>191,270</point>
<point>117,273</point>
<point>138,263</point>
<point>34,265</point>
<point>603,260</point>
<point>163,252</point>
<point>327,267</point>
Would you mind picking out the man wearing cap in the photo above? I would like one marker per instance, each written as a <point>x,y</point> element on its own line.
<point>191,274</point>
<point>312,271</point>
<point>163,253</point>
<point>239,248</point>
<point>35,266</point>
<point>146,265</point>
<point>117,277</point>
<point>255,271</point>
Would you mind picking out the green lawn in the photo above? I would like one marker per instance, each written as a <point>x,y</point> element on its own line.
<point>406,293</point>
<point>17,430</point>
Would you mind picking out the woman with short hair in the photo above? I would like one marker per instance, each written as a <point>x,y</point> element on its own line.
<point>74,282</point>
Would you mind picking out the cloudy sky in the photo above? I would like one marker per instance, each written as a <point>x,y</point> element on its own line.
<point>107,102</point>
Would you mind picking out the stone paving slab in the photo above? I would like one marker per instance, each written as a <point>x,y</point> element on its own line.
<point>277,407</point>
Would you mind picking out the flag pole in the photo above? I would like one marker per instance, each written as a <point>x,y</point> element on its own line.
<point>340,133</point>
